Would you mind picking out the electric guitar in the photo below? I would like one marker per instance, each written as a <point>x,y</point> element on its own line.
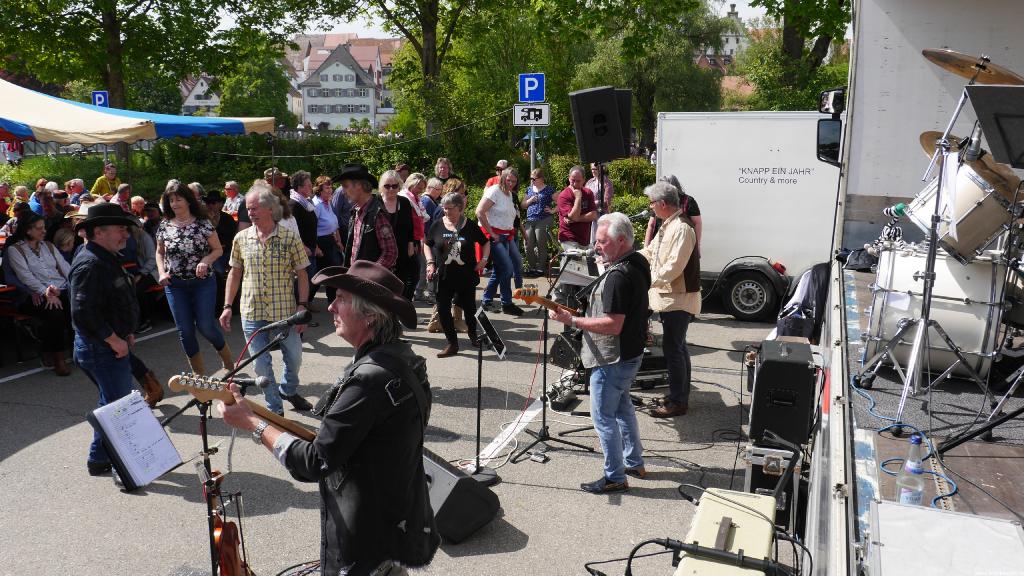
<point>529,294</point>
<point>208,389</point>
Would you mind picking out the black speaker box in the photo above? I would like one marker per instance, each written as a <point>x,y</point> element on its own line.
<point>598,126</point>
<point>461,505</point>
<point>783,396</point>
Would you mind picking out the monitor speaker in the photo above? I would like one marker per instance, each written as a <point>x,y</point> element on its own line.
<point>461,504</point>
<point>599,127</point>
<point>783,396</point>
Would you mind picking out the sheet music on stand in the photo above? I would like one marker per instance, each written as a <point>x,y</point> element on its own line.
<point>137,444</point>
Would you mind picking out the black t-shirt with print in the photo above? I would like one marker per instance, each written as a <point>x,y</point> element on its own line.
<point>441,241</point>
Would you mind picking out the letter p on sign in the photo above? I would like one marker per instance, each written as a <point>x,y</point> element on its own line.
<point>531,87</point>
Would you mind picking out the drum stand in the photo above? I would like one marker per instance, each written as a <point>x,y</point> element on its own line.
<point>919,351</point>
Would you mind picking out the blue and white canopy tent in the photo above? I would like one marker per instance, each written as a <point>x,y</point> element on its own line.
<point>29,115</point>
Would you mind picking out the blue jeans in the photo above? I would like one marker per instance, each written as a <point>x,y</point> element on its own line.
<point>508,264</point>
<point>111,375</point>
<point>677,355</point>
<point>291,351</point>
<point>615,418</point>
<point>193,304</point>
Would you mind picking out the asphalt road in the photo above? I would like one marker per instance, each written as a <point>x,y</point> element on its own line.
<point>59,520</point>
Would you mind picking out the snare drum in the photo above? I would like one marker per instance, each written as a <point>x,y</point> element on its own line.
<point>965,301</point>
<point>980,211</point>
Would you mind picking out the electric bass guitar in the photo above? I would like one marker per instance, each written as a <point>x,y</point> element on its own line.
<point>529,294</point>
<point>208,389</point>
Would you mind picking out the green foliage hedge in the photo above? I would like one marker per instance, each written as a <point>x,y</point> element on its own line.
<point>212,160</point>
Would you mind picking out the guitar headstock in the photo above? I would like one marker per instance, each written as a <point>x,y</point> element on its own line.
<point>202,388</point>
<point>528,293</point>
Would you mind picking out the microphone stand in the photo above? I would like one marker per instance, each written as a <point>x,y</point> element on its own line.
<point>542,435</point>
<point>482,474</point>
<point>194,402</point>
<point>209,482</point>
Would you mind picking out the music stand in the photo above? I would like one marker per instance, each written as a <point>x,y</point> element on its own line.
<point>1000,111</point>
<point>488,338</point>
<point>1001,115</point>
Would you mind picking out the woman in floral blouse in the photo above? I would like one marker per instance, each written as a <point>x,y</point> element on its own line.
<point>186,248</point>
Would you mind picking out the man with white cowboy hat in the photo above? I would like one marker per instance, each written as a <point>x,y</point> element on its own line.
<point>104,312</point>
<point>375,514</point>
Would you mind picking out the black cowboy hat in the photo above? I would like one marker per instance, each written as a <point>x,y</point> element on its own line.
<point>375,283</point>
<point>106,214</point>
<point>356,172</point>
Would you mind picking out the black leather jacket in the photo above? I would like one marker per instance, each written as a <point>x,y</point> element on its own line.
<point>368,460</point>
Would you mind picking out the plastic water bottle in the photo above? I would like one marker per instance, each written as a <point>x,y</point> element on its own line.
<point>910,482</point>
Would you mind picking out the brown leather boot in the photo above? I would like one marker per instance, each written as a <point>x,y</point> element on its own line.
<point>434,326</point>
<point>196,362</point>
<point>154,392</point>
<point>60,368</point>
<point>226,358</point>
<point>460,323</point>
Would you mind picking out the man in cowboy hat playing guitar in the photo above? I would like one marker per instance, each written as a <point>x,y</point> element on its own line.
<point>376,517</point>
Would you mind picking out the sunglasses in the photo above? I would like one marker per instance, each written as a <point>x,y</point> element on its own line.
<point>392,186</point>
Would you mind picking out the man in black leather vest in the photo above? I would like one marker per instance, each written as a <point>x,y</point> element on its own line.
<point>370,236</point>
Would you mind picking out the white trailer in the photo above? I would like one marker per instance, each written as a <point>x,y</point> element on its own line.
<point>764,199</point>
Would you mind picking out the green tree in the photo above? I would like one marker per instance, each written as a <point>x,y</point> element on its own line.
<point>778,84</point>
<point>254,83</point>
<point>809,29</point>
<point>663,78</point>
<point>154,92</point>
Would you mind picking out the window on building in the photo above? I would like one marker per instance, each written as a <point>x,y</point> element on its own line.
<point>363,92</point>
<point>325,93</point>
<point>364,108</point>
<point>311,92</point>
<point>311,109</point>
<point>337,77</point>
<point>350,77</point>
<point>324,77</point>
<point>713,61</point>
<point>337,92</point>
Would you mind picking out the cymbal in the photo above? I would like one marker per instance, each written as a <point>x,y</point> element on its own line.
<point>1000,176</point>
<point>930,138</point>
<point>966,66</point>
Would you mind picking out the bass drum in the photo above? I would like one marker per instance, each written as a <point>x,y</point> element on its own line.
<point>980,211</point>
<point>966,301</point>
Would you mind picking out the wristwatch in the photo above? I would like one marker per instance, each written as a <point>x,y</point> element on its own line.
<point>257,434</point>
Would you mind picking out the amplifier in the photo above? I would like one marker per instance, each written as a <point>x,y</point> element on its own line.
<point>783,396</point>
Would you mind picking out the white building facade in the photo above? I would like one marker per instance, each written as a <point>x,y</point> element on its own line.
<point>338,92</point>
<point>198,99</point>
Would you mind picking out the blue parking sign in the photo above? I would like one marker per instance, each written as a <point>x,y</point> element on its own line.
<point>531,87</point>
<point>100,98</point>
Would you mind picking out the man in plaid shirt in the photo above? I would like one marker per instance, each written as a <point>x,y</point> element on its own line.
<point>265,261</point>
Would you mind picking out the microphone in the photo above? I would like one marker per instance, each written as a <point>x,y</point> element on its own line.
<point>895,211</point>
<point>298,318</point>
<point>641,215</point>
<point>260,382</point>
<point>974,148</point>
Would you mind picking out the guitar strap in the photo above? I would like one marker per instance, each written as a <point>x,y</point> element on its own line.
<point>397,367</point>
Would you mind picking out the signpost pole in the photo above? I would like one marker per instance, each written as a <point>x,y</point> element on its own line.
<point>533,150</point>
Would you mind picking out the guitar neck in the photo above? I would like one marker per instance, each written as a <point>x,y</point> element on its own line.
<point>281,422</point>
<point>554,306</point>
<point>206,389</point>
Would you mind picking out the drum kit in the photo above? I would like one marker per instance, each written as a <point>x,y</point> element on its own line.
<point>967,294</point>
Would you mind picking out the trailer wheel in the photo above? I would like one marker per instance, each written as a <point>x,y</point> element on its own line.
<point>749,295</point>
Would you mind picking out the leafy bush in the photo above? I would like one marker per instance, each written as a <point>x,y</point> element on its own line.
<point>631,175</point>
